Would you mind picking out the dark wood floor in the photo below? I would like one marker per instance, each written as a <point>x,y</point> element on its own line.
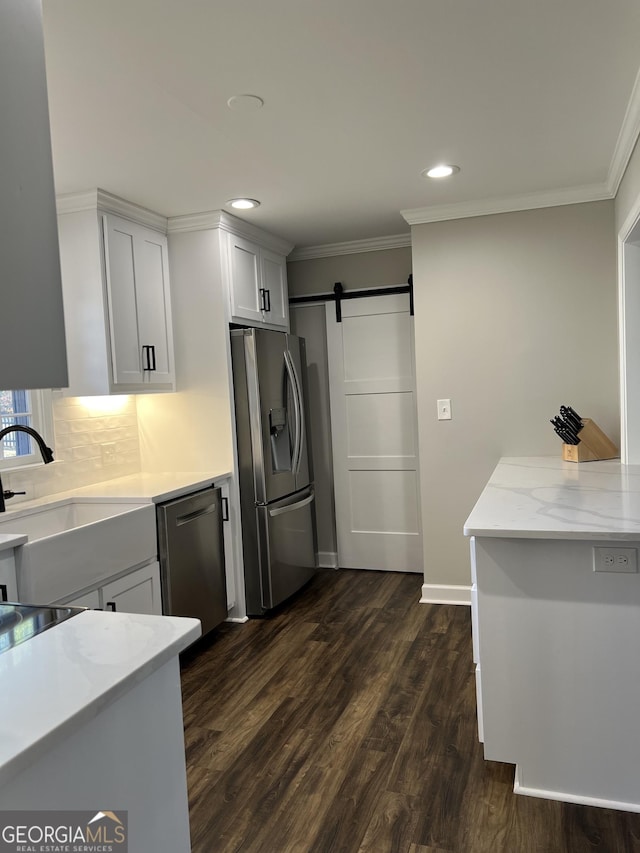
<point>347,722</point>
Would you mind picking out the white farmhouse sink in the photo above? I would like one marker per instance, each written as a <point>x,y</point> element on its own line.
<point>77,544</point>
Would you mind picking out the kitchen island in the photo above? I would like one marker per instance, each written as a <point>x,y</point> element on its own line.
<point>91,719</point>
<point>556,627</point>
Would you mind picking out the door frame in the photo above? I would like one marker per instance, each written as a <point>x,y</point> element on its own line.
<point>629,335</point>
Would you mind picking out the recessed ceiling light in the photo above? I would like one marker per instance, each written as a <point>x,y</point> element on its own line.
<point>243,203</point>
<point>441,171</point>
<point>245,103</point>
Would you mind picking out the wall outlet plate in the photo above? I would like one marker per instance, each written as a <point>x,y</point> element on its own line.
<point>607,559</point>
<point>108,452</point>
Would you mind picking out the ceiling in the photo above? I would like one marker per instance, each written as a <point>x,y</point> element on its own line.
<point>359,97</point>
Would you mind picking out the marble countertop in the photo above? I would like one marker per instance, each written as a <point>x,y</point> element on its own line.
<point>544,497</point>
<point>57,680</point>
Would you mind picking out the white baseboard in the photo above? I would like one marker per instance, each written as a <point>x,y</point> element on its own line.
<point>327,560</point>
<point>564,797</point>
<point>239,619</point>
<point>439,593</point>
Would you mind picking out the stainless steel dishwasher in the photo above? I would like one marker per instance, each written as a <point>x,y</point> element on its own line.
<point>191,548</point>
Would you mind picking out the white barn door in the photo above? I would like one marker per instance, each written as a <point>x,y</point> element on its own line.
<point>374,434</point>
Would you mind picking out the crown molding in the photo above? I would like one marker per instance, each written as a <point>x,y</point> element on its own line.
<point>627,139</point>
<point>353,247</point>
<point>108,203</point>
<point>224,221</point>
<point>507,204</point>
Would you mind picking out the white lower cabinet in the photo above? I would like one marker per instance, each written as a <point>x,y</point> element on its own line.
<point>8,583</point>
<point>89,599</point>
<point>136,592</point>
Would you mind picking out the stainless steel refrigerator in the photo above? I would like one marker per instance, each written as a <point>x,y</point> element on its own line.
<point>274,466</point>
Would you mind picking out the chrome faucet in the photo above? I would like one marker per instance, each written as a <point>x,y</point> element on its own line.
<point>45,452</point>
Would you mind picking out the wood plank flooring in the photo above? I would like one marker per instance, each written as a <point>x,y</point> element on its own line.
<point>346,723</point>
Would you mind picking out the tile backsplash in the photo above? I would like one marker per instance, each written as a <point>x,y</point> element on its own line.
<point>96,439</point>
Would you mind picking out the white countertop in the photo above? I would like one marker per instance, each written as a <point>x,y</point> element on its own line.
<point>153,487</point>
<point>134,488</point>
<point>56,681</point>
<point>11,540</point>
<point>544,497</point>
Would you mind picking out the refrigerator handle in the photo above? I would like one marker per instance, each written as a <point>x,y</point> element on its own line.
<point>301,416</point>
<point>291,507</point>
<point>297,441</point>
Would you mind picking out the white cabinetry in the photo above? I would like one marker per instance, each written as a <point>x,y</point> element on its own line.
<point>137,279</point>
<point>135,592</point>
<point>8,583</point>
<point>91,599</point>
<point>138,592</point>
<point>257,284</point>
<point>115,279</point>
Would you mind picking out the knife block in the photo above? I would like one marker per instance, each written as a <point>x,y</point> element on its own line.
<point>594,444</point>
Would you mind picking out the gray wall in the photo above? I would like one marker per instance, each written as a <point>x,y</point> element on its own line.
<point>516,314</point>
<point>365,269</point>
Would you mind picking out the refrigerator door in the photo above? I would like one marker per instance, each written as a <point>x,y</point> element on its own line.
<point>297,362</point>
<point>265,415</point>
<point>286,551</point>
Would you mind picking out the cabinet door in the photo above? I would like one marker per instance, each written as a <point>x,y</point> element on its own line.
<point>244,261</point>
<point>274,283</point>
<point>8,581</point>
<point>154,306</point>
<point>137,282</point>
<point>89,599</point>
<point>119,252</point>
<point>137,592</point>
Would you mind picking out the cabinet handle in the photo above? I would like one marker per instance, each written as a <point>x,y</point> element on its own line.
<point>265,297</point>
<point>4,592</point>
<point>148,357</point>
<point>225,509</point>
<point>111,605</point>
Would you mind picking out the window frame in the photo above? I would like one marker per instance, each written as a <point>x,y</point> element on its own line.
<point>41,406</point>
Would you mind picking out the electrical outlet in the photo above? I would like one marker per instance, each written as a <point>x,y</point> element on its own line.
<point>444,410</point>
<point>108,450</point>
<point>615,560</point>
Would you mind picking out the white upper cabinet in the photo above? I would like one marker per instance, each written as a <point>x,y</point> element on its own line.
<point>257,284</point>
<point>115,280</point>
<point>244,260</point>
<point>32,343</point>
<point>137,279</point>
<point>273,268</point>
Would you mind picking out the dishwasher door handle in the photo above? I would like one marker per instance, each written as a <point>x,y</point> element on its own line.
<point>191,516</point>
<point>291,507</point>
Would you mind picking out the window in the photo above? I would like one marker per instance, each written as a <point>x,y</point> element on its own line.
<point>27,408</point>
